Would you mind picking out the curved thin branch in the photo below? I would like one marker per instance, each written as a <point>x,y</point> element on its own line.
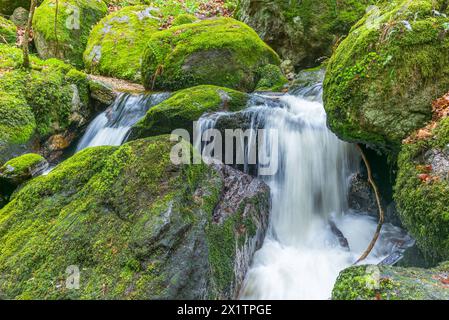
<point>381,211</point>
<point>56,28</point>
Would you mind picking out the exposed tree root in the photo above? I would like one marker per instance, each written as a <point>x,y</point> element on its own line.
<point>381,211</point>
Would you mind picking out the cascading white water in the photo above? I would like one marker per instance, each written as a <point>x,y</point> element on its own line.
<point>112,126</point>
<point>301,256</point>
<point>302,253</point>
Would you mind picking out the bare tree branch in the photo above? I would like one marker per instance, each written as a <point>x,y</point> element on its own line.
<point>379,204</point>
<point>26,37</point>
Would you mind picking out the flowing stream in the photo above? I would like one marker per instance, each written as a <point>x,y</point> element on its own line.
<point>302,253</point>
<point>112,126</point>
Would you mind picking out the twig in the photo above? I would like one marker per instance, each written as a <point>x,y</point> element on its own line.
<point>381,211</point>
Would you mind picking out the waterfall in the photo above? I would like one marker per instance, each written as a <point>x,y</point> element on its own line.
<point>302,253</point>
<point>112,126</point>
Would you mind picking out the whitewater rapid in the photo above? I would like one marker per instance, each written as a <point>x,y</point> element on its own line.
<point>301,257</point>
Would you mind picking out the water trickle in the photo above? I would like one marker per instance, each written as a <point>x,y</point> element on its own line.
<point>112,126</point>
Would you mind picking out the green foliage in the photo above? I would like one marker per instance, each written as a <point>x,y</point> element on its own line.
<point>382,78</point>
<point>186,106</point>
<point>221,51</point>
<point>67,40</point>
<point>7,31</point>
<point>424,206</point>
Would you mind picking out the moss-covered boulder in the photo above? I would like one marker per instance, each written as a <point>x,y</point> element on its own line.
<point>51,98</point>
<point>302,31</point>
<point>220,51</point>
<point>392,283</point>
<point>271,79</point>
<point>8,31</point>
<point>186,106</point>
<point>117,43</point>
<point>20,169</point>
<point>7,6</point>
<point>68,38</point>
<point>422,190</point>
<point>383,76</point>
<point>132,230</point>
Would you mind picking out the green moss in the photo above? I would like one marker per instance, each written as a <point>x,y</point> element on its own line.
<point>22,163</point>
<point>424,207</point>
<point>117,42</point>
<point>390,283</point>
<point>7,31</point>
<point>68,39</point>
<point>38,102</point>
<point>80,79</point>
<point>136,231</point>
<point>271,79</point>
<point>17,122</point>
<point>222,52</point>
<point>184,19</point>
<point>7,6</point>
<point>186,106</point>
<point>302,31</point>
<point>382,78</point>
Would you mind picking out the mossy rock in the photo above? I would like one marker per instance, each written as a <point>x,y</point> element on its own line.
<point>392,283</point>
<point>133,230</point>
<point>422,189</point>
<point>302,31</point>
<point>116,44</point>
<point>50,98</point>
<point>220,51</point>
<point>18,170</point>
<point>7,6</point>
<point>271,79</point>
<point>184,19</point>
<point>8,31</point>
<point>20,17</point>
<point>75,19</point>
<point>383,77</point>
<point>185,107</point>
